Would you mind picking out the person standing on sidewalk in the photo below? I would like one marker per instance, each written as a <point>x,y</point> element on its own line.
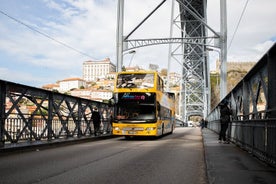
<point>203,123</point>
<point>96,117</point>
<point>225,113</point>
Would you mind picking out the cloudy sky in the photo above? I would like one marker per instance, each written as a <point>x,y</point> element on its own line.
<point>43,41</point>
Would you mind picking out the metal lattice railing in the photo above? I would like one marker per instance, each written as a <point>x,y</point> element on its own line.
<point>253,103</point>
<point>31,114</point>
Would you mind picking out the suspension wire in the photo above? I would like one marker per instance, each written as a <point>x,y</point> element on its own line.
<point>46,35</point>
<point>244,8</point>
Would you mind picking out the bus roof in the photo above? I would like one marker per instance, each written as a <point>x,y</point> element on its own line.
<point>137,71</point>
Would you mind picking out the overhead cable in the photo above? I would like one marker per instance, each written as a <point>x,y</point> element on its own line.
<point>46,35</point>
<point>244,8</point>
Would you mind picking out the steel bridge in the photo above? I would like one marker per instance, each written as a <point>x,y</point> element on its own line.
<point>189,51</point>
<point>62,117</point>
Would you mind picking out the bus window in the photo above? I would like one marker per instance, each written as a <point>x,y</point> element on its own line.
<point>135,111</point>
<point>135,81</point>
<point>136,106</point>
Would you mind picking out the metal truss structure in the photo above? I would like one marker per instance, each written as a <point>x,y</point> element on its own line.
<point>29,114</point>
<point>188,50</point>
<point>136,43</point>
<point>253,103</point>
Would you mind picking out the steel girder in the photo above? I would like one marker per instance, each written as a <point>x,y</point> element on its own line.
<point>195,72</point>
<point>188,50</point>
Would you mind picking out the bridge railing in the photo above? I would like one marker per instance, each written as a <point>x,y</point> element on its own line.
<point>253,102</point>
<point>29,114</point>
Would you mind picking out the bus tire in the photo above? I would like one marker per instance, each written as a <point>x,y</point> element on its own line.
<point>172,128</point>
<point>127,137</point>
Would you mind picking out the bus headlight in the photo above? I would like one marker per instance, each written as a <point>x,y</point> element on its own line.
<point>116,128</point>
<point>150,128</point>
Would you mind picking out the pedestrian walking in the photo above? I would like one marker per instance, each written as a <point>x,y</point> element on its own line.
<point>96,117</point>
<point>203,123</point>
<point>225,113</point>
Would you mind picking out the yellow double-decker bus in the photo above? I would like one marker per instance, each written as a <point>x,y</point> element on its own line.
<point>142,108</point>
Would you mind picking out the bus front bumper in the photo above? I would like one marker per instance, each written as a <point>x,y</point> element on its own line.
<point>134,130</point>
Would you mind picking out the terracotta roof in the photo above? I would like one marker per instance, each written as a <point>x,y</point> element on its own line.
<point>50,86</point>
<point>104,60</point>
<point>72,79</point>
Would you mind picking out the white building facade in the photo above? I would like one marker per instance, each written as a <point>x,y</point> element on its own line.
<point>71,83</point>
<point>96,95</point>
<point>94,70</point>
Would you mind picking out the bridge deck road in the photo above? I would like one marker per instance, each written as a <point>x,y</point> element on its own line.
<point>175,158</point>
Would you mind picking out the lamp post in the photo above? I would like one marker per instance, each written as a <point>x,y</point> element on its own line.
<point>214,50</point>
<point>217,74</point>
<point>130,52</point>
<point>219,57</point>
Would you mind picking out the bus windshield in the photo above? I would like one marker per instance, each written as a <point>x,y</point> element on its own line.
<point>135,106</point>
<point>140,80</point>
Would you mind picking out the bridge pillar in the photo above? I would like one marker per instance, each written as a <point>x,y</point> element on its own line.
<point>120,26</point>
<point>223,47</point>
<point>271,65</point>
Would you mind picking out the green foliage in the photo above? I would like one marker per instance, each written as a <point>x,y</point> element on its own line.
<point>43,112</point>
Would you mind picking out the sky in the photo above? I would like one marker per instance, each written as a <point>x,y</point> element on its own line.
<point>44,41</point>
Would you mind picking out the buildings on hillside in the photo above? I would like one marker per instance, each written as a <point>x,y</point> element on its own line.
<point>174,79</point>
<point>94,70</point>
<point>97,82</point>
<point>70,84</point>
<point>97,91</point>
<point>65,85</point>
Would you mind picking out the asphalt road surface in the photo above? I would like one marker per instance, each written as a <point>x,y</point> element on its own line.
<point>174,158</point>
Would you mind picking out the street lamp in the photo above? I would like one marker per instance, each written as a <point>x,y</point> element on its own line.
<point>214,50</point>
<point>130,52</point>
<point>220,69</point>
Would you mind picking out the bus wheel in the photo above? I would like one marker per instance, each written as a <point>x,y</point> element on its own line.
<point>127,137</point>
<point>172,129</point>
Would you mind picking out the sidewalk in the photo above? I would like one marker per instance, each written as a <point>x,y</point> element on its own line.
<point>228,164</point>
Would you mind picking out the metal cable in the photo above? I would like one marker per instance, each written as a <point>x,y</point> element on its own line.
<point>244,8</point>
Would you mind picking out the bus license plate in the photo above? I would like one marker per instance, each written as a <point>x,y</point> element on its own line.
<point>131,132</point>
